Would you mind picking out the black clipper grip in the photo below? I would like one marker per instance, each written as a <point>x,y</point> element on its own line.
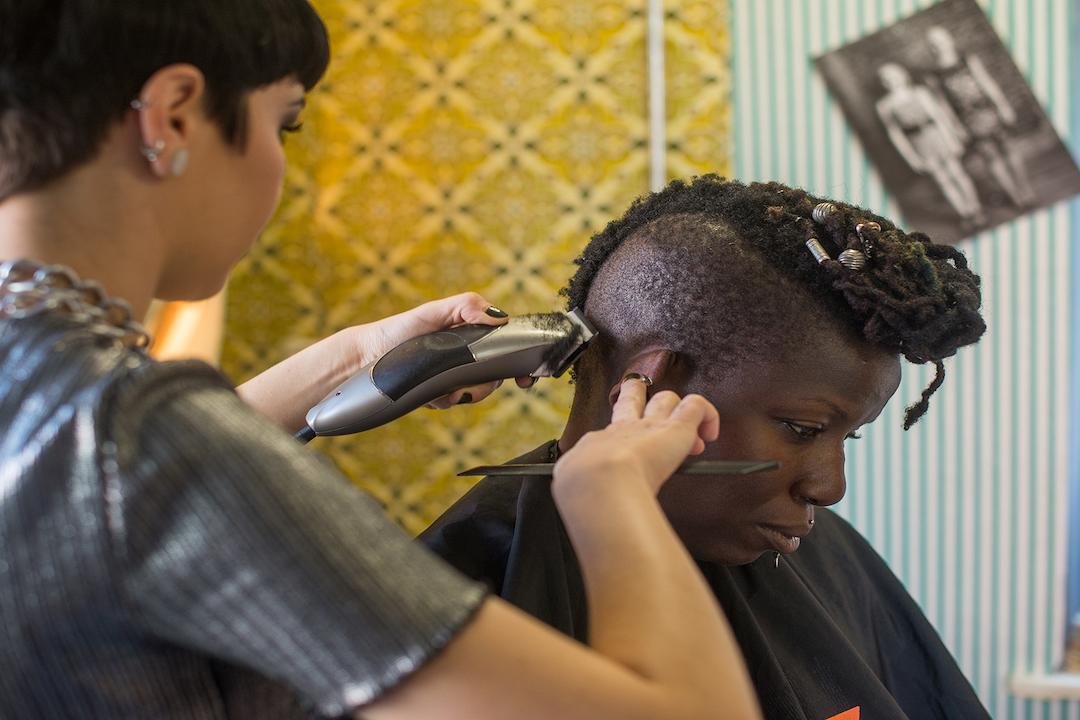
<point>424,357</point>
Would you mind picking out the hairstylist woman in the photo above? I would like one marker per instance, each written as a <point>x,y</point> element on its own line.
<point>155,529</point>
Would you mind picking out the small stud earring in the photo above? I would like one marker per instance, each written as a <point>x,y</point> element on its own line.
<point>153,152</point>
<point>179,162</point>
<point>138,104</point>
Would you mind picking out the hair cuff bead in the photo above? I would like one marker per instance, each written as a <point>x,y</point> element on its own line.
<point>816,249</point>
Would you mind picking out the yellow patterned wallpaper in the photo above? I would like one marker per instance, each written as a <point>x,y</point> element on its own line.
<point>466,145</point>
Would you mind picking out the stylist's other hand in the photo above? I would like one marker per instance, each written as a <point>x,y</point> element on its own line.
<point>646,438</point>
<point>376,338</point>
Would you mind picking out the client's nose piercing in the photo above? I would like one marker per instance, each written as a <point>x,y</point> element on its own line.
<point>638,376</point>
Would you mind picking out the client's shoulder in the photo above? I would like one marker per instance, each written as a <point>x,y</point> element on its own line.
<point>833,535</point>
<point>492,500</point>
<point>839,550</point>
<point>475,534</point>
<point>827,524</point>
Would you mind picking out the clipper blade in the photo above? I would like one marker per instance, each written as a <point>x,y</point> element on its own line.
<point>576,333</point>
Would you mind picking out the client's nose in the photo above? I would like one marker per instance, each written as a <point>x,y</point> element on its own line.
<point>821,481</point>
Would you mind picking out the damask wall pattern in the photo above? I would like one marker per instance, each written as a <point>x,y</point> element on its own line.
<point>466,145</point>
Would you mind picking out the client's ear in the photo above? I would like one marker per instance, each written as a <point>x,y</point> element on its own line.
<point>654,363</point>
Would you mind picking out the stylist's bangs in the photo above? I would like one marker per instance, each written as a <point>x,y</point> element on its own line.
<point>293,42</point>
<point>280,39</point>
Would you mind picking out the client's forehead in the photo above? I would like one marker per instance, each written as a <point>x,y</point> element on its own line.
<point>833,368</point>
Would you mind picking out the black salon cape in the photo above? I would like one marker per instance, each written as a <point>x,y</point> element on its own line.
<point>830,630</point>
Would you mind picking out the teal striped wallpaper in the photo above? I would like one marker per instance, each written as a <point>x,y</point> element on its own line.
<point>969,507</point>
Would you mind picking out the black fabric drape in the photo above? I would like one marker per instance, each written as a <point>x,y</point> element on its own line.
<point>830,630</point>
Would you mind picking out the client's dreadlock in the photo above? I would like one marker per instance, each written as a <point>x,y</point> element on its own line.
<point>913,297</point>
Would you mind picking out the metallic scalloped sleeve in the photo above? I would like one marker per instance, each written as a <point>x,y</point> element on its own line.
<point>152,527</point>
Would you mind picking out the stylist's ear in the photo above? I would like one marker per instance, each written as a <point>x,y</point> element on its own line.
<point>653,364</point>
<point>169,105</point>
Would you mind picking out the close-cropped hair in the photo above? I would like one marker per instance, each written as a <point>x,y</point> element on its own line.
<point>69,69</point>
<point>712,264</point>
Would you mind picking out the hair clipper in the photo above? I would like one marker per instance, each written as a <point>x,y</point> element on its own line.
<point>427,367</point>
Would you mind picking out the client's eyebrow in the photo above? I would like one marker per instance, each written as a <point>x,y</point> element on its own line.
<point>836,409</point>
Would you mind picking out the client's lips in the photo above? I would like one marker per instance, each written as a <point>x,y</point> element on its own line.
<point>783,540</point>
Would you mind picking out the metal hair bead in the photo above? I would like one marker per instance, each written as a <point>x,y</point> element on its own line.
<point>823,211</point>
<point>852,259</point>
<point>815,248</point>
<point>868,232</point>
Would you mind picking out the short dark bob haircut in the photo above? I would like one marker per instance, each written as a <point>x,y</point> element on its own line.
<point>69,69</point>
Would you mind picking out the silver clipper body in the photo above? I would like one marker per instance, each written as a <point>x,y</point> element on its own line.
<point>430,366</point>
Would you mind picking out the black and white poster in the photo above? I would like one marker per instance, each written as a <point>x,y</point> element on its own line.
<point>948,119</point>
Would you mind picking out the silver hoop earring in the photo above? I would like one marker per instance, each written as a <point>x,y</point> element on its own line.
<point>153,152</point>
<point>179,162</point>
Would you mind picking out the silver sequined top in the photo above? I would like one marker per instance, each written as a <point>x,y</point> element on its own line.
<point>166,553</point>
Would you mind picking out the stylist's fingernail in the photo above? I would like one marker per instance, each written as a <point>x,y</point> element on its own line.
<point>495,312</point>
<point>465,399</point>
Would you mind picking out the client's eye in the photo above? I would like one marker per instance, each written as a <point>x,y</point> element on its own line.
<point>854,436</point>
<point>802,430</point>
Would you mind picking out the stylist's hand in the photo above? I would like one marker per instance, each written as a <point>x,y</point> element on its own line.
<point>645,439</point>
<point>376,338</point>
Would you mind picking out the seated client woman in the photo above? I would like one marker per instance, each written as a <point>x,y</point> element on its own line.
<point>791,314</point>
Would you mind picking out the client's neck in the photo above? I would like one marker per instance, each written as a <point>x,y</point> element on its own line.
<point>589,411</point>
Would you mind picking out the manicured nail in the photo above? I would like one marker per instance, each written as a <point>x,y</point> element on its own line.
<point>465,399</point>
<point>495,312</point>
